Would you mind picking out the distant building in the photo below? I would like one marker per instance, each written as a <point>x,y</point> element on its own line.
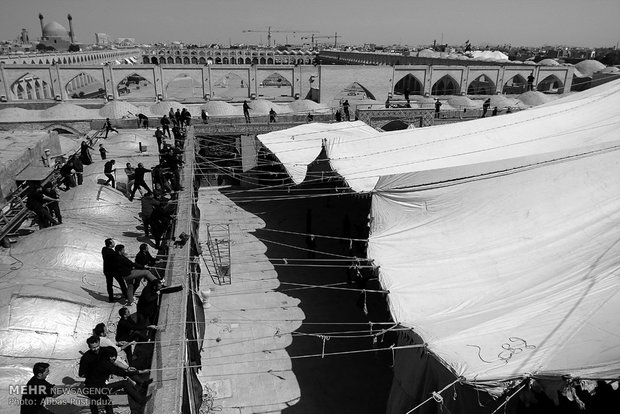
<point>125,41</point>
<point>54,35</point>
<point>24,38</point>
<point>102,39</point>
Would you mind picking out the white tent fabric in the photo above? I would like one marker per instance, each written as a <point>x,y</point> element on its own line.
<point>497,238</point>
<point>299,146</point>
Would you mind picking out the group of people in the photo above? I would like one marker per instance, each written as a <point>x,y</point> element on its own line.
<point>104,370</point>
<point>127,273</point>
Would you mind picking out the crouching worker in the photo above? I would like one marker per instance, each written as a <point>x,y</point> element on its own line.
<point>129,270</point>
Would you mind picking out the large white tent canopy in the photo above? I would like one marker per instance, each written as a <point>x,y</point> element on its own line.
<point>497,238</point>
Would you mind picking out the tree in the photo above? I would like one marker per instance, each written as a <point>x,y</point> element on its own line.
<point>74,48</point>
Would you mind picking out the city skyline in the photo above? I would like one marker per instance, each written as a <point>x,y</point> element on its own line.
<point>523,23</point>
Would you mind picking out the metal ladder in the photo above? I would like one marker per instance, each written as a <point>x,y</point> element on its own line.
<point>218,243</point>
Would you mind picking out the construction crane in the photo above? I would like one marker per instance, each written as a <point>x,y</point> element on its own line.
<point>335,37</point>
<point>269,32</point>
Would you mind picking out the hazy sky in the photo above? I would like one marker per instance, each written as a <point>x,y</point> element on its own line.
<point>591,23</point>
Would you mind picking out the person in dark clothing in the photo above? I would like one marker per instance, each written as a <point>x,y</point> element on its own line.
<point>36,203</point>
<point>186,117</point>
<point>178,118</point>
<point>108,127</point>
<point>127,331</point>
<point>485,107</point>
<point>78,166</point>
<point>148,202</point>
<point>437,107</point>
<point>345,108</point>
<point>53,206</point>
<point>205,116</point>
<point>160,220</point>
<point>246,112</point>
<point>128,270</point>
<point>66,172</point>
<point>310,117</point>
<point>530,82</point>
<point>172,117</point>
<point>494,111</point>
<point>272,116</point>
<point>103,152</point>
<point>109,171</point>
<point>148,302</point>
<point>108,253</point>
<point>87,159</point>
<point>96,366</point>
<point>165,125</point>
<point>145,258</point>
<point>37,389</point>
<point>406,94</point>
<point>338,116</point>
<point>139,181</point>
<point>143,120</point>
<point>159,136</point>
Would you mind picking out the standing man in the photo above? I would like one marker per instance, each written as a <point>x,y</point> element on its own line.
<point>78,166</point>
<point>530,81</point>
<point>165,125</point>
<point>485,107</point>
<point>107,253</point>
<point>148,202</point>
<point>109,170</point>
<point>205,116</point>
<point>159,135</point>
<point>37,390</point>
<point>345,108</point>
<point>437,107</point>
<point>131,172</point>
<point>272,116</point>
<point>128,331</point>
<point>139,181</point>
<point>108,127</point>
<point>246,112</point>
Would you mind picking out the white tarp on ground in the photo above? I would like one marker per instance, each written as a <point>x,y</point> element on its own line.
<point>497,238</point>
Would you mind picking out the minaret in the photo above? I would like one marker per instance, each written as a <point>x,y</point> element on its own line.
<point>70,28</point>
<point>41,21</point>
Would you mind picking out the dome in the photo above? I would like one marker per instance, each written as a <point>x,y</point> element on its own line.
<point>55,29</point>
<point>163,107</point>
<point>219,108</point>
<point>589,67</point>
<point>462,102</point>
<point>118,110</point>
<point>549,62</point>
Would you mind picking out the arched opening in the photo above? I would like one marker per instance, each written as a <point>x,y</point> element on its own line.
<point>408,83</point>
<point>146,60</point>
<point>218,60</point>
<point>162,60</point>
<point>231,85</point>
<point>395,125</point>
<point>186,60</point>
<point>482,85</point>
<point>209,61</point>
<point>240,61</point>
<point>225,61</point>
<point>178,60</point>
<point>515,86</point>
<point>248,61</point>
<point>445,86</point>
<point>255,61</point>
<point>354,91</point>
<point>275,85</point>
<point>135,86</point>
<point>551,84</point>
<point>170,60</point>
<point>262,61</point>
<point>183,87</point>
<point>270,61</point>
<point>84,86</point>
<point>194,60</point>
<point>202,61</point>
<point>154,61</point>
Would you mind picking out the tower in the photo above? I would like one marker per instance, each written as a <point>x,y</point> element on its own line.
<point>71,35</point>
<point>41,21</point>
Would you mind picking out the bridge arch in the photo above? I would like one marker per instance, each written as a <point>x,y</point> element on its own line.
<point>482,85</point>
<point>408,82</point>
<point>446,85</point>
<point>550,84</point>
<point>515,85</point>
<point>62,129</point>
